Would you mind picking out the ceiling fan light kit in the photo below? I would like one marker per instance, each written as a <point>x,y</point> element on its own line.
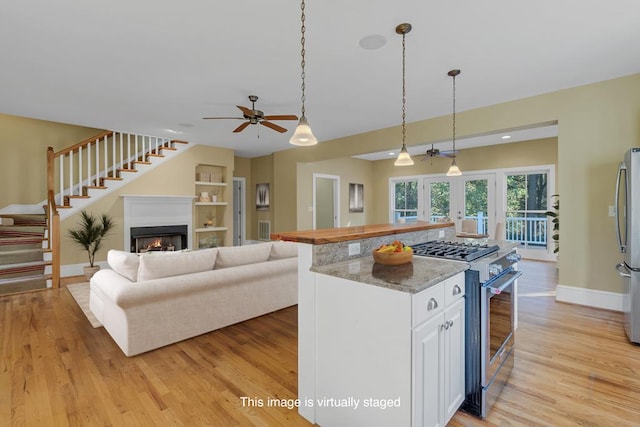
<point>404,159</point>
<point>303,135</point>
<point>454,170</point>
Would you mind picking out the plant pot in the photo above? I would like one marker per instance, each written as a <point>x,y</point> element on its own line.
<point>90,271</point>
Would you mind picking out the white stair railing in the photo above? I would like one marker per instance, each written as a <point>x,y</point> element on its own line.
<point>86,164</point>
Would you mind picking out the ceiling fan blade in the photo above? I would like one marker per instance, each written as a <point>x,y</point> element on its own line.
<point>282,117</point>
<point>241,127</point>
<point>225,118</point>
<point>247,112</point>
<point>273,126</point>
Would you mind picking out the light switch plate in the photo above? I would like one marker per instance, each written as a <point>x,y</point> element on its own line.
<point>354,249</point>
<point>612,211</point>
<point>441,233</point>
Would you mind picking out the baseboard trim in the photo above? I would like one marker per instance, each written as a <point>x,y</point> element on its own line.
<point>78,269</point>
<point>590,297</point>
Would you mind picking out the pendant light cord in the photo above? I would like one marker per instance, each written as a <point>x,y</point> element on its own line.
<point>302,53</point>
<point>404,100</point>
<point>454,119</point>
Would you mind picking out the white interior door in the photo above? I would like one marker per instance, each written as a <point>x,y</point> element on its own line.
<point>326,201</point>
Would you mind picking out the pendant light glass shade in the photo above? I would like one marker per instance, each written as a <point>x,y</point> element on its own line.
<point>303,135</point>
<point>404,159</point>
<point>454,170</point>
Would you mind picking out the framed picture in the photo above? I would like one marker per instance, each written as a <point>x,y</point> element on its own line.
<point>262,197</point>
<point>356,197</point>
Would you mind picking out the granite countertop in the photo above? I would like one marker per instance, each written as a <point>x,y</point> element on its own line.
<point>343,234</point>
<point>412,277</point>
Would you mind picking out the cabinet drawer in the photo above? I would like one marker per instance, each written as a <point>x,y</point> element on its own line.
<point>427,303</point>
<point>453,289</point>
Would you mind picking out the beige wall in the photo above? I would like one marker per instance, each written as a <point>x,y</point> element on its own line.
<point>175,178</point>
<point>597,123</point>
<point>349,170</point>
<point>261,172</point>
<point>23,164</point>
<point>517,154</point>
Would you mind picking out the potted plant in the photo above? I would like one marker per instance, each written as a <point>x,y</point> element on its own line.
<point>555,214</point>
<point>88,235</point>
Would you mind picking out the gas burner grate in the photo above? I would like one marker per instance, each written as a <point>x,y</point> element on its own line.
<point>454,250</point>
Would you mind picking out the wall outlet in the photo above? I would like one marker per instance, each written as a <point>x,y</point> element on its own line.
<point>354,249</point>
<point>440,233</point>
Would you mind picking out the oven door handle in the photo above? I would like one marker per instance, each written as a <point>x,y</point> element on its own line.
<point>504,282</point>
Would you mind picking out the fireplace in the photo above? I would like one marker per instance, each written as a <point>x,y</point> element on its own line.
<point>159,238</point>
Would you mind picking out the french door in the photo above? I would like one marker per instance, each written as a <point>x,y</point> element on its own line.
<point>467,197</point>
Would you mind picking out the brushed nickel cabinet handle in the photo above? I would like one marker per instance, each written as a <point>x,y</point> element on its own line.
<point>456,290</point>
<point>432,304</point>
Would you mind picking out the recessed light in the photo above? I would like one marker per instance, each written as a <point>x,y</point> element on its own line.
<point>392,153</point>
<point>506,136</point>
<point>372,42</point>
<point>173,131</point>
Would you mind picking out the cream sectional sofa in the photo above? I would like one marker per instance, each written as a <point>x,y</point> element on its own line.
<point>148,301</point>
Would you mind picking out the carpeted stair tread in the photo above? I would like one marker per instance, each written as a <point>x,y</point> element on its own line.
<point>21,230</point>
<point>20,256</point>
<point>23,284</point>
<point>20,243</point>
<point>27,219</point>
<point>21,270</point>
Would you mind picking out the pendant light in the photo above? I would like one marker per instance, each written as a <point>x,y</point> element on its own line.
<point>404,159</point>
<point>303,135</point>
<point>454,170</point>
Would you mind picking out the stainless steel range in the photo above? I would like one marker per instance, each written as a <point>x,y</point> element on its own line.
<point>489,313</point>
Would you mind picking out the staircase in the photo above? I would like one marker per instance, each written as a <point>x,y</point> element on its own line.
<point>23,257</point>
<point>76,177</point>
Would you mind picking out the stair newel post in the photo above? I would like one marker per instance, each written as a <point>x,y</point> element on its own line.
<point>80,170</point>
<point>89,160</point>
<point>61,184</point>
<point>53,220</point>
<point>121,154</point>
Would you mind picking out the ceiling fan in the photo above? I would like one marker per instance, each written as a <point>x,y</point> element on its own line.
<point>254,117</point>
<point>434,152</point>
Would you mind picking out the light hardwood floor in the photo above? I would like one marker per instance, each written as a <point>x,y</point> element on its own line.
<point>574,366</point>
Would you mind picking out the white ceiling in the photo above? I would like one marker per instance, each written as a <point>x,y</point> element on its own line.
<point>148,66</point>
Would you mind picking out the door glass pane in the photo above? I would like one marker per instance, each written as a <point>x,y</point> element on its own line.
<point>440,201</point>
<point>406,201</point>
<point>526,221</point>
<point>476,202</point>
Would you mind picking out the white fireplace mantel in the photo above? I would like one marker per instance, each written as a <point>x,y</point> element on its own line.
<point>156,210</point>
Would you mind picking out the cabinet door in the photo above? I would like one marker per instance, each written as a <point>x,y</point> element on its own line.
<point>454,356</point>
<point>427,373</point>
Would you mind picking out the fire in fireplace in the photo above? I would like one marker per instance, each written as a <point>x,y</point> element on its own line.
<point>158,238</point>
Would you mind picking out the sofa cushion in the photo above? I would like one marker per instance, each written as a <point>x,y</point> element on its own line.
<point>281,250</point>
<point>233,256</point>
<point>166,264</point>
<point>124,263</point>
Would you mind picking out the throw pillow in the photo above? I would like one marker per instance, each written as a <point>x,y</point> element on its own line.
<point>167,264</point>
<point>280,250</point>
<point>124,263</point>
<point>232,256</point>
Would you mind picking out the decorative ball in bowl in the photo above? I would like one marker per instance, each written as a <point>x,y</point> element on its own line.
<point>395,253</point>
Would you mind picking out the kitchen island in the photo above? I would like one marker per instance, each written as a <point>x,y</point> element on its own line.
<point>354,313</point>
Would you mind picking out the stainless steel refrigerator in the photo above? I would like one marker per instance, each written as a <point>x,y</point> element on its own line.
<point>628,232</point>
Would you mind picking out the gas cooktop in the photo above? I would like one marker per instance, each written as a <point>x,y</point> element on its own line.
<point>454,250</point>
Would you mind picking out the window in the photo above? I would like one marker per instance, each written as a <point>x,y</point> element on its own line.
<point>405,206</point>
<point>525,219</point>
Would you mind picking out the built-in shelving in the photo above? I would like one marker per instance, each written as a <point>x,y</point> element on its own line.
<point>210,204</point>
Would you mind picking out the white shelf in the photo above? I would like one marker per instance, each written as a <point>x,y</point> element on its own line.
<point>214,184</point>
<point>210,229</point>
<point>211,203</point>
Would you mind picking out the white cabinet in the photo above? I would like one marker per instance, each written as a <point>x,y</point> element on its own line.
<point>379,346</point>
<point>438,353</point>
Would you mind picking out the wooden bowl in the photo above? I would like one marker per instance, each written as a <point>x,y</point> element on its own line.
<point>392,258</point>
